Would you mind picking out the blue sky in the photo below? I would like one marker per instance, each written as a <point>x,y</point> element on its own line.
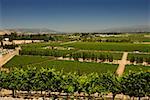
<point>74,15</point>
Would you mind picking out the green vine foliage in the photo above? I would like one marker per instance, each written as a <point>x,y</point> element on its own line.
<point>46,79</point>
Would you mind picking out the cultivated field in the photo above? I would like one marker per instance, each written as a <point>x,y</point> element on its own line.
<point>80,66</point>
<point>136,68</point>
<point>110,46</point>
<point>136,55</point>
<point>67,66</point>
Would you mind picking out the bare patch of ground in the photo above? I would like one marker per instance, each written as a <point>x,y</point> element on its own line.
<point>122,64</point>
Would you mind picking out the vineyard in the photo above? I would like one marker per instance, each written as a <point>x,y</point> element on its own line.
<point>49,80</point>
<point>139,58</point>
<point>67,66</point>
<point>74,49</point>
<point>78,70</point>
<point>97,55</point>
<point>110,46</point>
<point>136,68</point>
<point>25,60</point>
<point>37,49</point>
<point>103,46</point>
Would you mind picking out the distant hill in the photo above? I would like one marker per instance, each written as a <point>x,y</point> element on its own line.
<point>32,30</point>
<point>138,28</point>
<point>2,32</point>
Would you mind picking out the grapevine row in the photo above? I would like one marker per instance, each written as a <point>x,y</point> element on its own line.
<point>33,79</point>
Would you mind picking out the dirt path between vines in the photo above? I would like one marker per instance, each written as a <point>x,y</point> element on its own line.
<point>122,64</point>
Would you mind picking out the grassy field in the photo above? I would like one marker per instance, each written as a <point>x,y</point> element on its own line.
<point>19,61</point>
<point>136,68</point>
<point>67,66</point>
<point>108,46</point>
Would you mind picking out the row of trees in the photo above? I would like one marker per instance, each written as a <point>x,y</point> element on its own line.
<point>91,55</point>
<point>43,52</point>
<point>105,40</point>
<point>45,37</point>
<point>33,79</point>
<point>139,59</point>
<point>64,54</point>
<point>15,36</point>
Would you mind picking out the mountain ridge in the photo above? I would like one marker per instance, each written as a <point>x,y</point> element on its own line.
<point>138,28</point>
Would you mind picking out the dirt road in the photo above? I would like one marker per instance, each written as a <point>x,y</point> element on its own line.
<point>122,64</point>
<point>5,58</point>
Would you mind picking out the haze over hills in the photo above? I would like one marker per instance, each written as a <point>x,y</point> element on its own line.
<point>31,30</point>
<point>139,28</point>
